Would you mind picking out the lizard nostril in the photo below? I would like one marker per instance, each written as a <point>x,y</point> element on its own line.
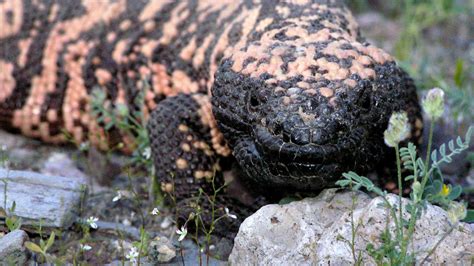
<point>254,101</point>
<point>301,136</point>
<point>277,129</point>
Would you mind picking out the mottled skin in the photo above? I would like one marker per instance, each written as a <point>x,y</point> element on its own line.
<point>297,95</point>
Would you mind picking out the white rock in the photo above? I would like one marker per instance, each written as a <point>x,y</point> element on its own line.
<point>278,234</point>
<point>316,231</point>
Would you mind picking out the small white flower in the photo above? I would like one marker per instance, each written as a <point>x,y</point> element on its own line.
<point>155,211</point>
<point>132,255</point>
<point>147,153</point>
<point>84,146</point>
<point>182,233</point>
<point>233,216</point>
<point>85,247</point>
<point>118,197</point>
<point>92,222</point>
<point>126,222</point>
<point>4,147</point>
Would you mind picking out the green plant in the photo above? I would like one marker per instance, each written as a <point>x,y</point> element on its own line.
<point>205,218</point>
<point>142,245</point>
<point>12,222</point>
<point>130,121</point>
<point>427,185</point>
<point>418,15</point>
<point>42,248</point>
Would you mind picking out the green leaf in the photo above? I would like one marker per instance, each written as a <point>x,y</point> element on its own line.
<point>343,182</point>
<point>434,156</point>
<point>287,200</point>
<point>455,192</point>
<point>437,185</point>
<point>109,125</point>
<point>10,224</point>
<point>50,241</point>
<point>421,166</point>
<point>33,247</point>
<point>451,145</point>
<point>459,142</point>
<point>469,135</point>
<point>469,217</point>
<point>442,150</point>
<point>434,188</point>
<point>366,182</point>
<point>459,72</point>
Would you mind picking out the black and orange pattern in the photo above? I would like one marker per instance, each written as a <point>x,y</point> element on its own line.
<point>289,88</point>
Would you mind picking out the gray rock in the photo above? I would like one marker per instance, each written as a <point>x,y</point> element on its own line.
<point>12,249</point>
<point>317,230</point>
<point>161,250</point>
<point>11,140</point>
<point>127,230</point>
<point>222,249</point>
<point>54,200</point>
<point>192,256</point>
<point>60,164</point>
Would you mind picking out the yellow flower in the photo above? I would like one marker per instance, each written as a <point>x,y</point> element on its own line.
<point>445,190</point>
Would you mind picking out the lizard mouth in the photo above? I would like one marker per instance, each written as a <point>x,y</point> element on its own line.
<point>270,160</point>
<point>286,151</point>
<point>277,148</point>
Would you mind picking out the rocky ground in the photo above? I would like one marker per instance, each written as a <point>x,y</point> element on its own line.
<point>118,193</point>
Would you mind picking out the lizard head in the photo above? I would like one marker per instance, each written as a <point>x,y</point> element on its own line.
<point>299,121</point>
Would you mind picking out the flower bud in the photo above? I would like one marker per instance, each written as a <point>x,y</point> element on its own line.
<point>456,211</point>
<point>398,129</point>
<point>433,103</point>
<point>416,187</point>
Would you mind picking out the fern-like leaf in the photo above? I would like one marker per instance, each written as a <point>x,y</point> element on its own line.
<point>447,158</point>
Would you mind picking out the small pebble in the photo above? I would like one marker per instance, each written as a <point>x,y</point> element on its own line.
<point>166,222</point>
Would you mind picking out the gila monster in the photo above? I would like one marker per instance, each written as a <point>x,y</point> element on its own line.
<point>287,92</point>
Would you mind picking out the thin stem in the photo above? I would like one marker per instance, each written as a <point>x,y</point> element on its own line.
<point>411,229</point>
<point>427,160</point>
<point>400,188</point>
<point>353,227</point>
<point>415,207</point>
